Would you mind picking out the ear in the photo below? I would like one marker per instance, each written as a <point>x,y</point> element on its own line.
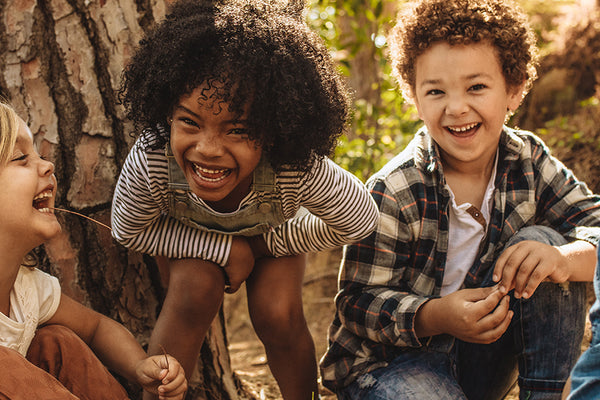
<point>411,97</point>
<point>515,96</point>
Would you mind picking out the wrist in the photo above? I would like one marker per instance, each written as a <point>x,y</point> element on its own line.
<point>426,323</point>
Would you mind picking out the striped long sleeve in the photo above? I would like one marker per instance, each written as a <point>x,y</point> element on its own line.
<point>341,211</point>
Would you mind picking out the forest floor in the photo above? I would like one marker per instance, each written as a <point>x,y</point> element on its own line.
<point>247,353</point>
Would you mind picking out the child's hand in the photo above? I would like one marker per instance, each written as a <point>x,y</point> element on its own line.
<point>240,264</point>
<point>526,264</point>
<point>479,315</point>
<point>162,377</point>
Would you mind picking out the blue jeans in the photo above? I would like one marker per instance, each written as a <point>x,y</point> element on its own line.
<point>538,350</point>
<point>585,378</point>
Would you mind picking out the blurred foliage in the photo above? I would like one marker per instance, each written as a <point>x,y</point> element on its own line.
<point>382,126</point>
<point>570,131</point>
<point>545,19</point>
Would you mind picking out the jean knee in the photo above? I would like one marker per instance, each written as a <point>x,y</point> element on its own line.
<point>538,233</point>
<point>417,375</point>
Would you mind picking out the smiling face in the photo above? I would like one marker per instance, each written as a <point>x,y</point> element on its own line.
<point>27,196</point>
<point>212,147</point>
<point>462,97</point>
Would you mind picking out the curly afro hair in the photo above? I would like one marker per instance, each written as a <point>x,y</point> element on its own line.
<point>458,22</point>
<point>259,52</point>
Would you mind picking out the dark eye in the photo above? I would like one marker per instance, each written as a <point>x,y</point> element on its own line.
<point>434,92</point>
<point>477,87</point>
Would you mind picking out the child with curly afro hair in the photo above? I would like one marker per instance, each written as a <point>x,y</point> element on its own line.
<point>473,280</point>
<point>238,104</point>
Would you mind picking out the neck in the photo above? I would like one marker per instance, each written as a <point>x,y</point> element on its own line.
<point>480,169</point>
<point>12,258</point>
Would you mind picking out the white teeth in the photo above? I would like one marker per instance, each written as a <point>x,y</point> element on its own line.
<point>462,128</point>
<point>44,195</point>
<point>209,171</point>
<point>44,210</point>
<point>203,172</point>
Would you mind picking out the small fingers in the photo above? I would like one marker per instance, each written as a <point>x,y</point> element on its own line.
<point>496,333</point>
<point>490,302</point>
<point>496,316</point>
<point>537,276</point>
<point>234,285</point>
<point>526,271</point>
<point>505,269</point>
<point>492,326</point>
<point>232,289</point>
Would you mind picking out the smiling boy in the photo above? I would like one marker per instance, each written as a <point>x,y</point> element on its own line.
<point>473,277</point>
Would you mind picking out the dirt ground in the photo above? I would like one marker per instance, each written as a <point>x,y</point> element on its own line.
<point>247,354</point>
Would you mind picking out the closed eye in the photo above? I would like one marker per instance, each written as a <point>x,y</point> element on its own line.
<point>242,133</point>
<point>20,157</point>
<point>188,121</point>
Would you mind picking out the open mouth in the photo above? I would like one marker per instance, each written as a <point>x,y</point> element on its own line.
<point>463,130</point>
<point>42,202</point>
<point>211,175</point>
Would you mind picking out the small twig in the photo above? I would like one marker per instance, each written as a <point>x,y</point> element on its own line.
<point>81,215</point>
<point>165,354</point>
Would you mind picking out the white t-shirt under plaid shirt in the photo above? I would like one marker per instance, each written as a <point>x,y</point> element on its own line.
<point>386,277</point>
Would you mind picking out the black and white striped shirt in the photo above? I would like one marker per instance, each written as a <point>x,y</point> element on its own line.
<point>341,212</point>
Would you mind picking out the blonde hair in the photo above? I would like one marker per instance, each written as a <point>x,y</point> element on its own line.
<point>9,127</point>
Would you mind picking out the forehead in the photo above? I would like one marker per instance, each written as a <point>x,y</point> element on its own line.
<point>213,97</point>
<point>24,135</point>
<point>461,61</point>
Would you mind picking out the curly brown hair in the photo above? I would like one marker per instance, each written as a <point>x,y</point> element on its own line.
<point>260,52</point>
<point>501,22</point>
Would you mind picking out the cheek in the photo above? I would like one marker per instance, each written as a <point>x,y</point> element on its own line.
<point>178,146</point>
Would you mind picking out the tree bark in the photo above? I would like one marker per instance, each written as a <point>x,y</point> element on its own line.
<point>60,66</point>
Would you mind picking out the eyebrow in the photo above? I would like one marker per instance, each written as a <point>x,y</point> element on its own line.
<point>231,121</point>
<point>466,78</point>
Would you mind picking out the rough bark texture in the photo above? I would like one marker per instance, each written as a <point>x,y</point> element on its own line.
<point>60,66</point>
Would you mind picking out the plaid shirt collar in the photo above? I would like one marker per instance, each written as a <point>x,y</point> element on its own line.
<point>429,158</point>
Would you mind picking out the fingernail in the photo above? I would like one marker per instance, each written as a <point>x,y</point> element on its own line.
<point>495,278</point>
<point>525,295</point>
<point>502,290</point>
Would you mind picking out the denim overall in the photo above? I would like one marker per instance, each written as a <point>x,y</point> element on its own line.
<point>255,218</point>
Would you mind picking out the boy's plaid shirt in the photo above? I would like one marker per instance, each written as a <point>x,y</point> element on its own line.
<point>386,277</point>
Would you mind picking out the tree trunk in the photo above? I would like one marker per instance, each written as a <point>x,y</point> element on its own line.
<point>60,66</point>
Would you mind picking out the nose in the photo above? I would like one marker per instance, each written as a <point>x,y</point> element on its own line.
<point>457,105</point>
<point>209,144</point>
<point>46,167</point>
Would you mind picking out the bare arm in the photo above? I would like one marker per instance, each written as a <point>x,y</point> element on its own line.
<point>116,347</point>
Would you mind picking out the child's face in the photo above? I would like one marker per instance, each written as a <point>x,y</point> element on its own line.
<point>213,149</point>
<point>27,197</point>
<point>462,97</point>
